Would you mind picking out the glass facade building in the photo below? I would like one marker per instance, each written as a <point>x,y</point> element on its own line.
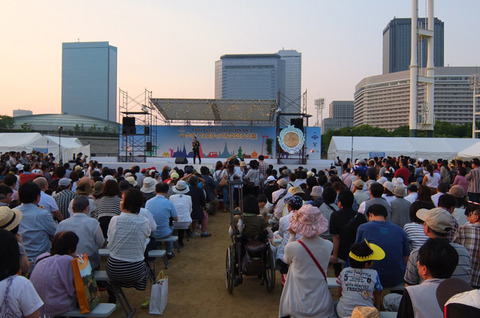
<point>89,79</point>
<point>397,37</point>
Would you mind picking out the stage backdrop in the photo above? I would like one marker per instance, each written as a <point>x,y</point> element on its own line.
<point>221,142</point>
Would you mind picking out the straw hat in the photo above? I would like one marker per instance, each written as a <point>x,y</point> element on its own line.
<point>308,221</point>
<point>174,175</point>
<point>296,190</point>
<point>9,219</point>
<point>132,181</point>
<point>84,188</point>
<point>365,312</point>
<point>181,187</point>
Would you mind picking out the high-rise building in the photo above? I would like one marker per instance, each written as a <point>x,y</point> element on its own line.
<point>341,115</point>
<point>261,76</point>
<point>21,112</point>
<point>397,45</point>
<point>89,79</point>
<point>384,100</point>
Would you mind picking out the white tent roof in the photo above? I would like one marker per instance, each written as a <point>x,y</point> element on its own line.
<point>36,141</point>
<point>416,147</point>
<point>470,152</point>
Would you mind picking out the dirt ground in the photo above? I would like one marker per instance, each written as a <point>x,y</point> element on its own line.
<point>196,279</point>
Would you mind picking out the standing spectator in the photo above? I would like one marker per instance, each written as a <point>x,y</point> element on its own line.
<point>469,236</point>
<point>431,179</point>
<point>279,197</point>
<point>403,171</point>
<point>210,187</point>
<point>392,239</point>
<point>27,175</point>
<point>19,298</point>
<point>196,150</point>
<point>306,292</point>
<point>198,208</point>
<point>64,195</point>
<point>400,207</point>
<point>262,167</point>
<point>163,210</point>
<point>460,179</point>
<point>37,227</point>
<point>473,177</point>
<point>343,227</point>
<point>87,229</point>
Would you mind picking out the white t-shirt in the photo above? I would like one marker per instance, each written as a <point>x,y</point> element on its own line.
<point>22,298</point>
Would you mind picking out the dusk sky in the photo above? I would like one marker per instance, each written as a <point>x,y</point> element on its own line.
<point>170,47</point>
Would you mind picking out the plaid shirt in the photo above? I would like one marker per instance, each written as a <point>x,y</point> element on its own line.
<point>473,177</point>
<point>469,236</point>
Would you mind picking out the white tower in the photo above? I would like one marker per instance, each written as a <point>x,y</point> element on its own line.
<point>426,119</point>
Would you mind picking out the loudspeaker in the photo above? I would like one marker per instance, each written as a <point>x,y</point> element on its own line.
<point>297,123</point>
<point>149,146</point>
<point>181,160</point>
<point>128,126</point>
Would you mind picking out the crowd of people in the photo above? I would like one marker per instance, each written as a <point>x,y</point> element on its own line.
<point>380,222</point>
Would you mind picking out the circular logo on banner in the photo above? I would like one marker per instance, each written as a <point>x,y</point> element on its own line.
<point>291,139</point>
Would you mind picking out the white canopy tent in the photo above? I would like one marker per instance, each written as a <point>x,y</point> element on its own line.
<point>416,147</point>
<point>37,142</point>
<point>470,152</point>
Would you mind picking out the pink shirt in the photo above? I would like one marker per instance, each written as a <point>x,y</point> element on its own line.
<point>461,181</point>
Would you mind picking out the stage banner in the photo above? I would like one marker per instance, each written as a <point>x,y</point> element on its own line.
<point>247,142</point>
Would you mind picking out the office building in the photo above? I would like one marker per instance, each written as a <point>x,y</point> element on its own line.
<point>89,79</point>
<point>384,100</point>
<point>21,112</point>
<point>341,115</point>
<point>397,45</point>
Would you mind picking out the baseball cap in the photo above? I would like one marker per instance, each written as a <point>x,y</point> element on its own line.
<point>438,219</point>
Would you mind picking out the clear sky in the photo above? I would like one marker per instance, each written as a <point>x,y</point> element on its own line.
<point>170,47</point>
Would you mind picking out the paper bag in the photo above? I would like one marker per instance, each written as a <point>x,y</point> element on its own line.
<point>159,295</point>
<point>85,285</point>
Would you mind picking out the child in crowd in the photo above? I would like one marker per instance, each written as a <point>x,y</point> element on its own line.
<point>359,284</point>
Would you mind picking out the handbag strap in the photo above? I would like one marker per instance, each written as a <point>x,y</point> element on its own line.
<point>313,258</point>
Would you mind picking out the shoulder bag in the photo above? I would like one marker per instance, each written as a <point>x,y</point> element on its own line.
<point>313,258</point>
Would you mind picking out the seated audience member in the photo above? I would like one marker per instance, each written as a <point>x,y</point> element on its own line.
<point>441,190</point>
<point>468,235</point>
<point>392,239</point>
<point>163,210</point>
<point>87,229</point>
<point>414,230</point>
<point>17,294</point>
<point>46,201</point>
<point>448,202</point>
<point>5,195</point>
<point>262,205</point>
<point>198,207</point>
<point>412,193</point>
<point>11,181</point>
<point>127,237</point>
<point>461,204</point>
<point>376,191</point>
<point>359,284</point>
<point>148,188</point>
<point>10,220</point>
<point>317,196</point>
<point>252,225</point>
<point>183,206</point>
<point>109,205</point>
<point>328,206</point>
<point>358,191</point>
<point>400,207</point>
<point>37,226</point>
<point>63,196</point>
<point>52,276</point>
<point>436,261</point>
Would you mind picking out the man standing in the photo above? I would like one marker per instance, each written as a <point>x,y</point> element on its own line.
<point>162,210</point>
<point>196,150</point>
<point>473,177</point>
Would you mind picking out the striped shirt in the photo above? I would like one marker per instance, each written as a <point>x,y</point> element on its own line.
<point>468,235</point>
<point>462,271</point>
<point>107,206</point>
<point>63,199</point>
<point>473,177</point>
<point>415,235</point>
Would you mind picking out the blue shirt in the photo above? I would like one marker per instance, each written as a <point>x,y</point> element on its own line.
<point>162,210</point>
<point>393,240</point>
<point>37,227</point>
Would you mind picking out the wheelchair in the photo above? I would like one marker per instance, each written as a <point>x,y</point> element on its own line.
<point>252,258</point>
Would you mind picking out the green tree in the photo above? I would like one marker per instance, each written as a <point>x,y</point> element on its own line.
<point>6,123</point>
<point>26,127</point>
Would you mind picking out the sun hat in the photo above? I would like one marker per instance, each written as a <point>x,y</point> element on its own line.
<point>181,187</point>
<point>109,177</point>
<point>398,181</point>
<point>64,182</point>
<point>438,219</point>
<point>19,166</point>
<point>128,174</point>
<point>308,221</point>
<point>9,218</point>
<point>457,191</point>
<point>270,179</point>
<point>295,202</point>
<point>84,187</point>
<point>377,253</point>
<point>148,185</point>
<point>449,288</point>
<point>78,168</point>
<point>317,191</point>
<point>132,181</point>
<point>359,184</point>
<point>282,183</point>
<point>382,180</point>
<point>174,175</point>
<point>389,186</point>
<point>98,188</point>
<point>296,190</point>
<point>399,191</point>
<point>365,312</point>
<point>310,174</point>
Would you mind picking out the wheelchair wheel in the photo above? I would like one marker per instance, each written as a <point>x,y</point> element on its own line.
<point>230,269</point>
<point>269,269</point>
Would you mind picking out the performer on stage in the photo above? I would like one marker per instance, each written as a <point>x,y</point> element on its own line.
<point>196,150</point>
